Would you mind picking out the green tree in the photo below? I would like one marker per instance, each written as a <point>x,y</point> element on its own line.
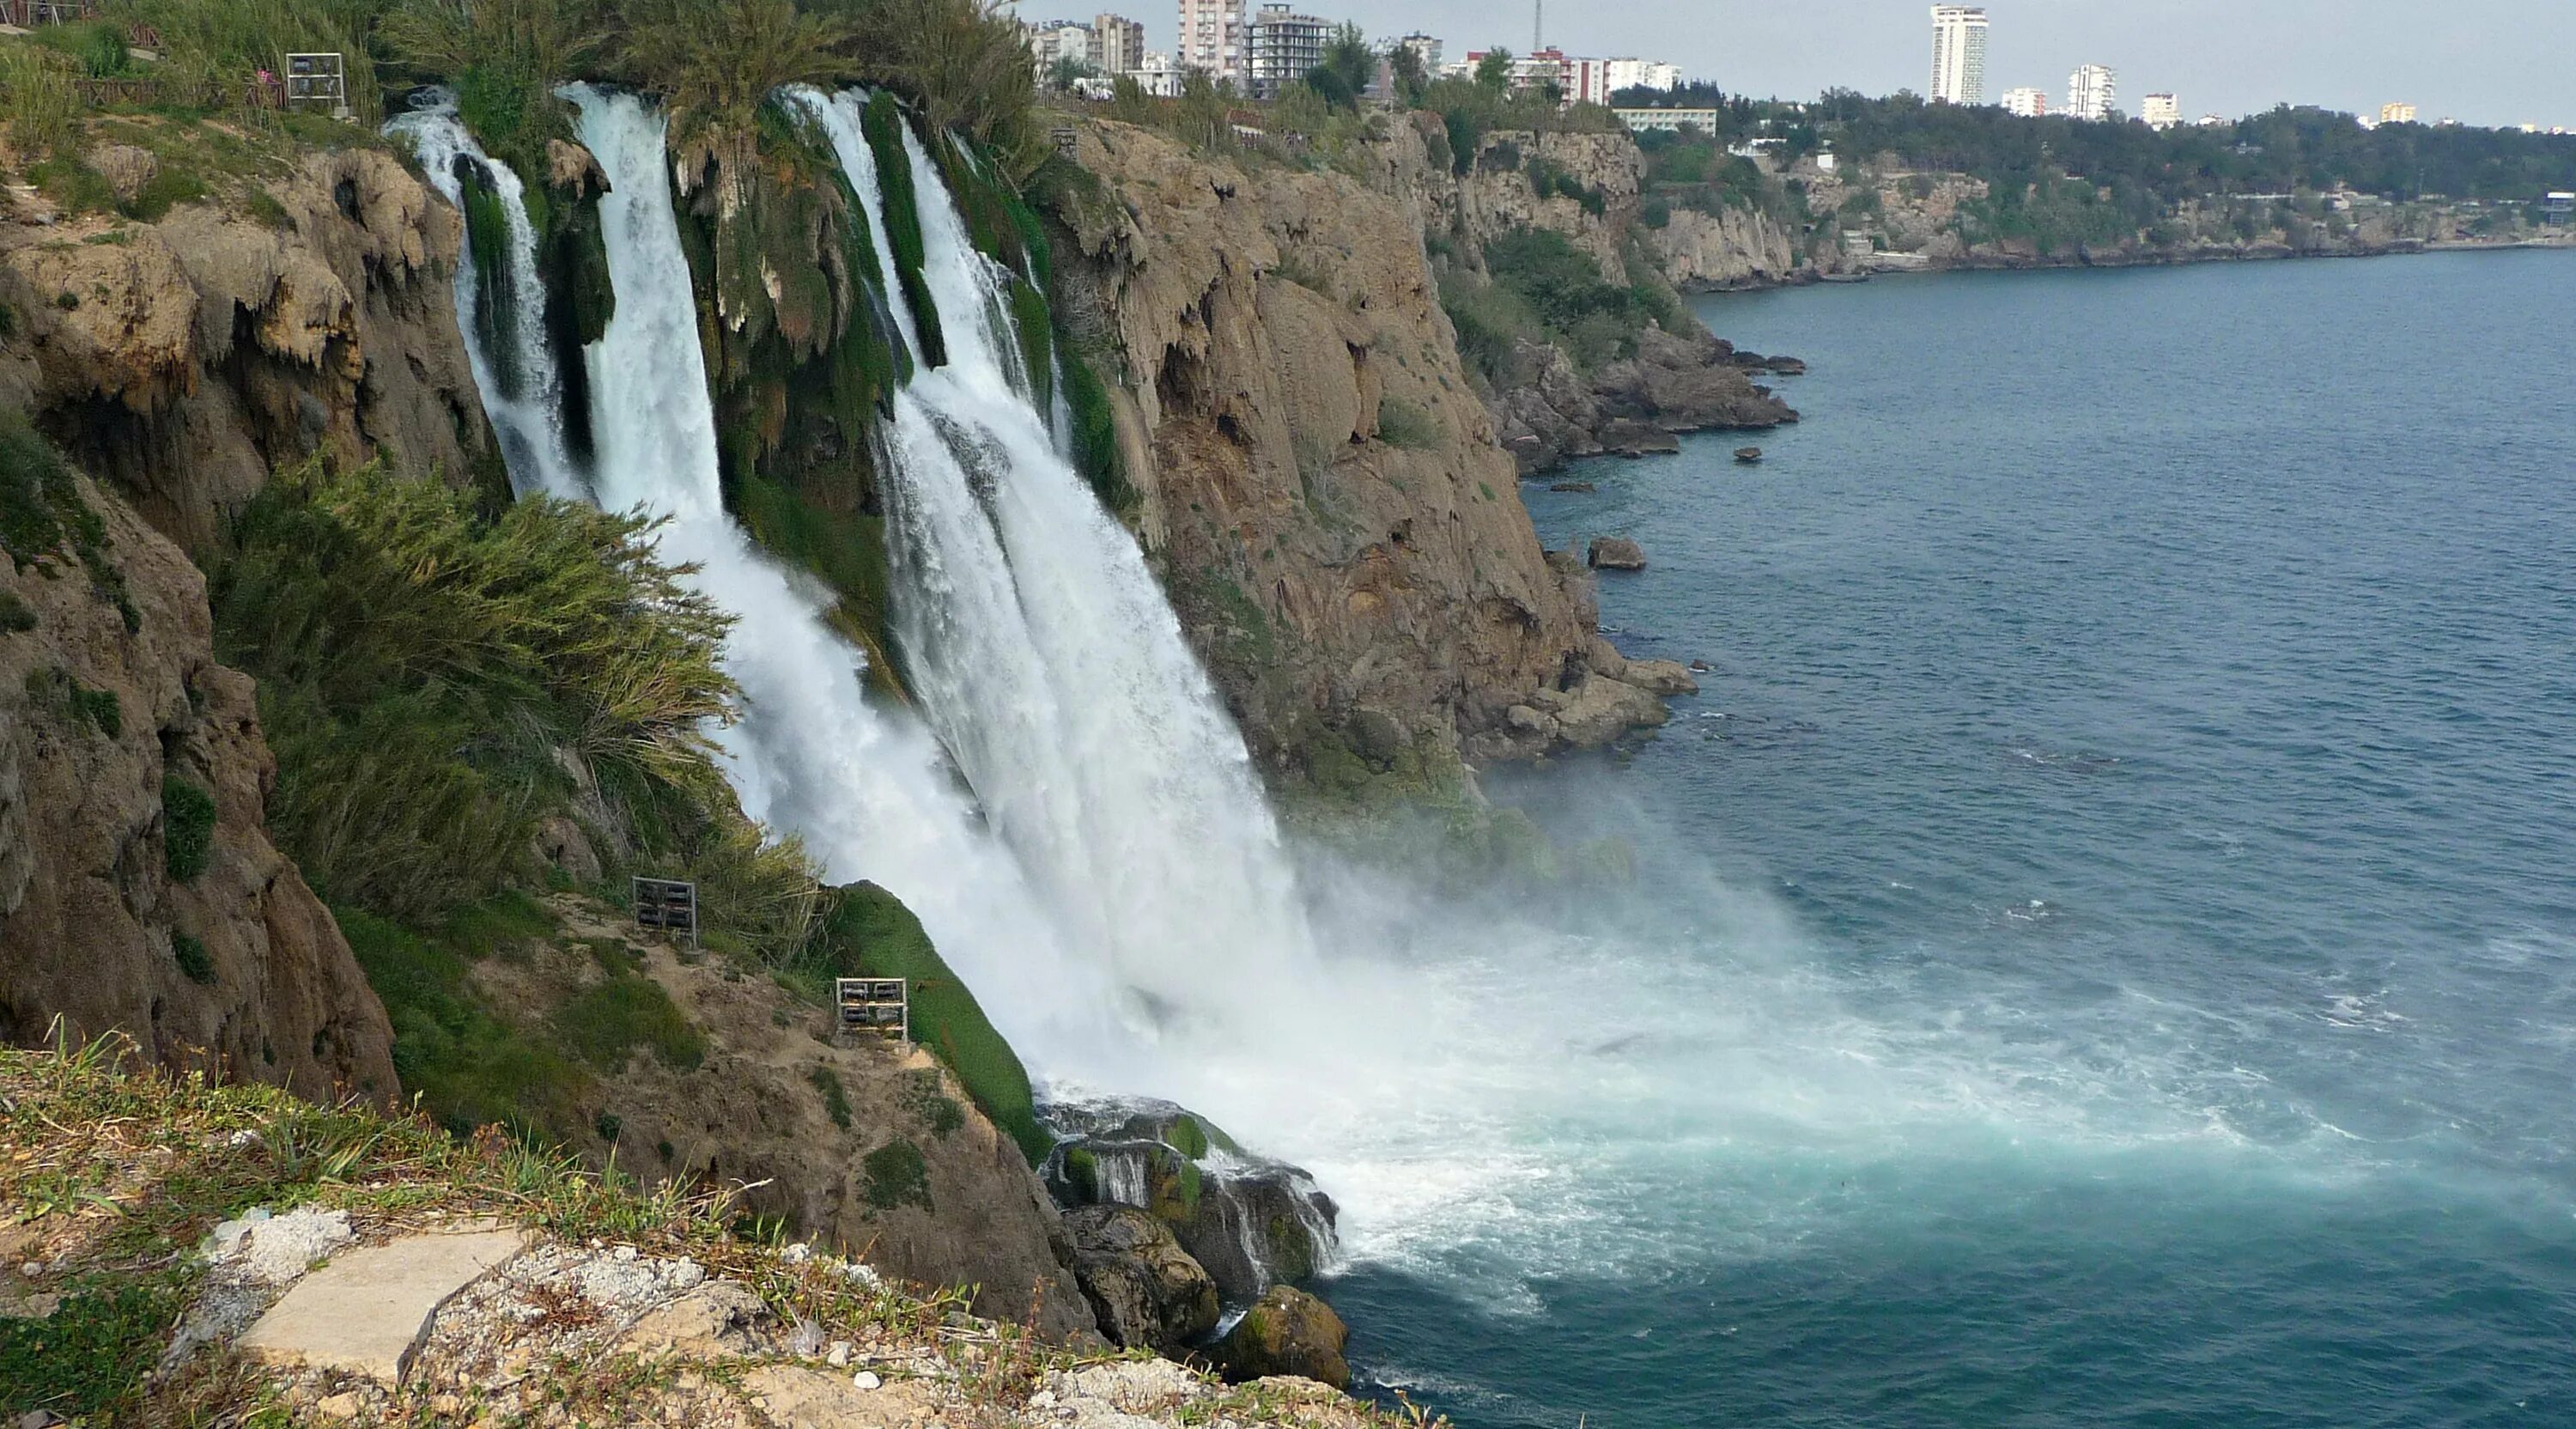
<point>1494,72</point>
<point>1347,68</point>
<point>1405,63</point>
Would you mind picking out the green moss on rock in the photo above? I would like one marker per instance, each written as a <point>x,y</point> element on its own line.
<point>882,122</point>
<point>187,828</point>
<point>894,1175</point>
<point>868,932</point>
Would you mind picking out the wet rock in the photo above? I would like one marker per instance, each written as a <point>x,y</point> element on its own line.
<point>1600,709</point>
<point>1662,677</point>
<point>1146,1292</point>
<point>1629,437</point>
<point>1572,486</point>
<point>1287,1332</point>
<point>1615,553</point>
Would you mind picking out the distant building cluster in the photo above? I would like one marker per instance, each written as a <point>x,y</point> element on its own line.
<point>1261,48</point>
<point>1959,77</point>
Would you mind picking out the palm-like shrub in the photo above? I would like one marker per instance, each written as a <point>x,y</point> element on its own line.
<point>716,62</point>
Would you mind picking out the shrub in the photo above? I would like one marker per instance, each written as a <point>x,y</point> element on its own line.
<point>187,828</point>
<point>609,1023</point>
<point>896,1175</point>
<point>15,614</point>
<point>836,1098</point>
<point>1402,424</point>
<point>190,953</point>
<point>37,100</point>
<point>427,674</point>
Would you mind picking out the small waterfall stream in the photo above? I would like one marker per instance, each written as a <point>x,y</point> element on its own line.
<point>514,366</point>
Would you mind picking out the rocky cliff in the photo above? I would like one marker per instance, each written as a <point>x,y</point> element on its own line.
<point>137,888</point>
<point>307,309</point>
<point>1731,248</point>
<point>1321,488</point>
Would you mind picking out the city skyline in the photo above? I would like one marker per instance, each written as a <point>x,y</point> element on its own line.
<point>2490,62</point>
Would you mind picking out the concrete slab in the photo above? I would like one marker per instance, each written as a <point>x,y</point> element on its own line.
<point>367,1312</point>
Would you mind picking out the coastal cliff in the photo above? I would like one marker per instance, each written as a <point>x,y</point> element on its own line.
<point>1320,486</point>
<point>138,887</point>
<point>300,308</point>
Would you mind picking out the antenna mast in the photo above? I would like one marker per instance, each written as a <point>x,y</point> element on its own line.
<point>1538,14</point>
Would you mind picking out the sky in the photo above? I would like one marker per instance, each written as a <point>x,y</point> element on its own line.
<point>2481,61</point>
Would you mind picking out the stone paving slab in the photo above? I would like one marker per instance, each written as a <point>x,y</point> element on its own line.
<point>368,1311</point>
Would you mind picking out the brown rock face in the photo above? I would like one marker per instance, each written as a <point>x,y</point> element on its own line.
<point>1145,1290</point>
<point>236,966</point>
<point>893,1165</point>
<point>1321,488</point>
<point>189,356</point>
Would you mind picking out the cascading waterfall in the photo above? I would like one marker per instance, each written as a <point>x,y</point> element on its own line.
<point>1136,899</point>
<point>514,366</point>
<point>867,790</point>
<point>1122,783</point>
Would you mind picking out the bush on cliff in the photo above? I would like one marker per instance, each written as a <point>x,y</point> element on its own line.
<point>436,681</point>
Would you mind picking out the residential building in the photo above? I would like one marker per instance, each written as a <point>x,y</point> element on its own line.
<point>1212,38</point>
<point>1641,120</point>
<point>1529,71</point>
<point>1641,74</point>
<point>1958,54</point>
<point>2091,92</point>
<point>1117,44</point>
<point>1284,46</point>
<point>2212,121</point>
<point>2028,103</point>
<point>2397,114</point>
<point>1158,75</point>
<point>1426,48</point>
<point>2160,111</point>
<point>1056,41</point>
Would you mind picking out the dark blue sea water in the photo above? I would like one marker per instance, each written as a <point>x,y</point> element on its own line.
<point>2105,943</point>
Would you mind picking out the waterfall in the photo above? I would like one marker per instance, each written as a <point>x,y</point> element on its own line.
<point>868,790</point>
<point>514,365</point>
<point>1045,654</point>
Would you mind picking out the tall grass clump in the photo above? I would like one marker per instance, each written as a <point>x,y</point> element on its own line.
<point>436,681</point>
<point>715,62</point>
<point>206,44</point>
<point>37,101</point>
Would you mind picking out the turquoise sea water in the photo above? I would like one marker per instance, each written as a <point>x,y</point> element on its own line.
<point>2105,942</point>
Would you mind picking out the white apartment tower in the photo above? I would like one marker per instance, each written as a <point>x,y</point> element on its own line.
<point>2091,92</point>
<point>1284,45</point>
<point>2160,111</point>
<point>1212,37</point>
<point>2028,103</point>
<point>1117,44</point>
<point>1958,54</point>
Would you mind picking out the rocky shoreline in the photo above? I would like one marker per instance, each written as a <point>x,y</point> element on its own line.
<point>1637,406</point>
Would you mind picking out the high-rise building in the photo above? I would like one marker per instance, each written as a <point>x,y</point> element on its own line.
<point>2160,111</point>
<point>2397,114</point>
<point>2028,103</point>
<point>1212,38</point>
<point>1117,44</point>
<point>1284,46</point>
<point>2091,92</point>
<point>1958,54</point>
<point>1426,48</point>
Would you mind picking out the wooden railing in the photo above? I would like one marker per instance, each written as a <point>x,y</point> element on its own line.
<point>153,93</point>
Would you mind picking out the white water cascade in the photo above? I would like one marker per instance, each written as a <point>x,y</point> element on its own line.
<point>1043,652</point>
<point>521,388</point>
<point>869,791</point>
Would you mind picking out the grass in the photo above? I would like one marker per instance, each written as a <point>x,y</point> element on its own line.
<point>16,616</point>
<point>57,691</point>
<point>42,510</point>
<point>608,1024</point>
<point>467,1067</point>
<point>90,1353</point>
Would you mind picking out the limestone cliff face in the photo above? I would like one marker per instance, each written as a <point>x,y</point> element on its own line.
<point>1320,486</point>
<point>184,358</point>
<point>114,731</point>
<point>1497,193</point>
<point>1732,248</point>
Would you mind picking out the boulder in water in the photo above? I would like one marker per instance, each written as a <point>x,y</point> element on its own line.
<point>1616,553</point>
<point>1286,1332</point>
<point>1145,1290</point>
<point>1662,677</point>
<point>1249,1222</point>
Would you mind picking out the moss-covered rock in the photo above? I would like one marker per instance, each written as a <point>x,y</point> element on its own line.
<point>882,122</point>
<point>868,932</point>
<point>1286,1332</point>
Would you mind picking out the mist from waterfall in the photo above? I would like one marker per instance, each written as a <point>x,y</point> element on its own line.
<point>521,387</point>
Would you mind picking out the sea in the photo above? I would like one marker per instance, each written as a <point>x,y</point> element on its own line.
<point>2102,947</point>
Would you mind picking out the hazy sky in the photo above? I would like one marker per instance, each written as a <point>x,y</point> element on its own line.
<point>2484,61</point>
